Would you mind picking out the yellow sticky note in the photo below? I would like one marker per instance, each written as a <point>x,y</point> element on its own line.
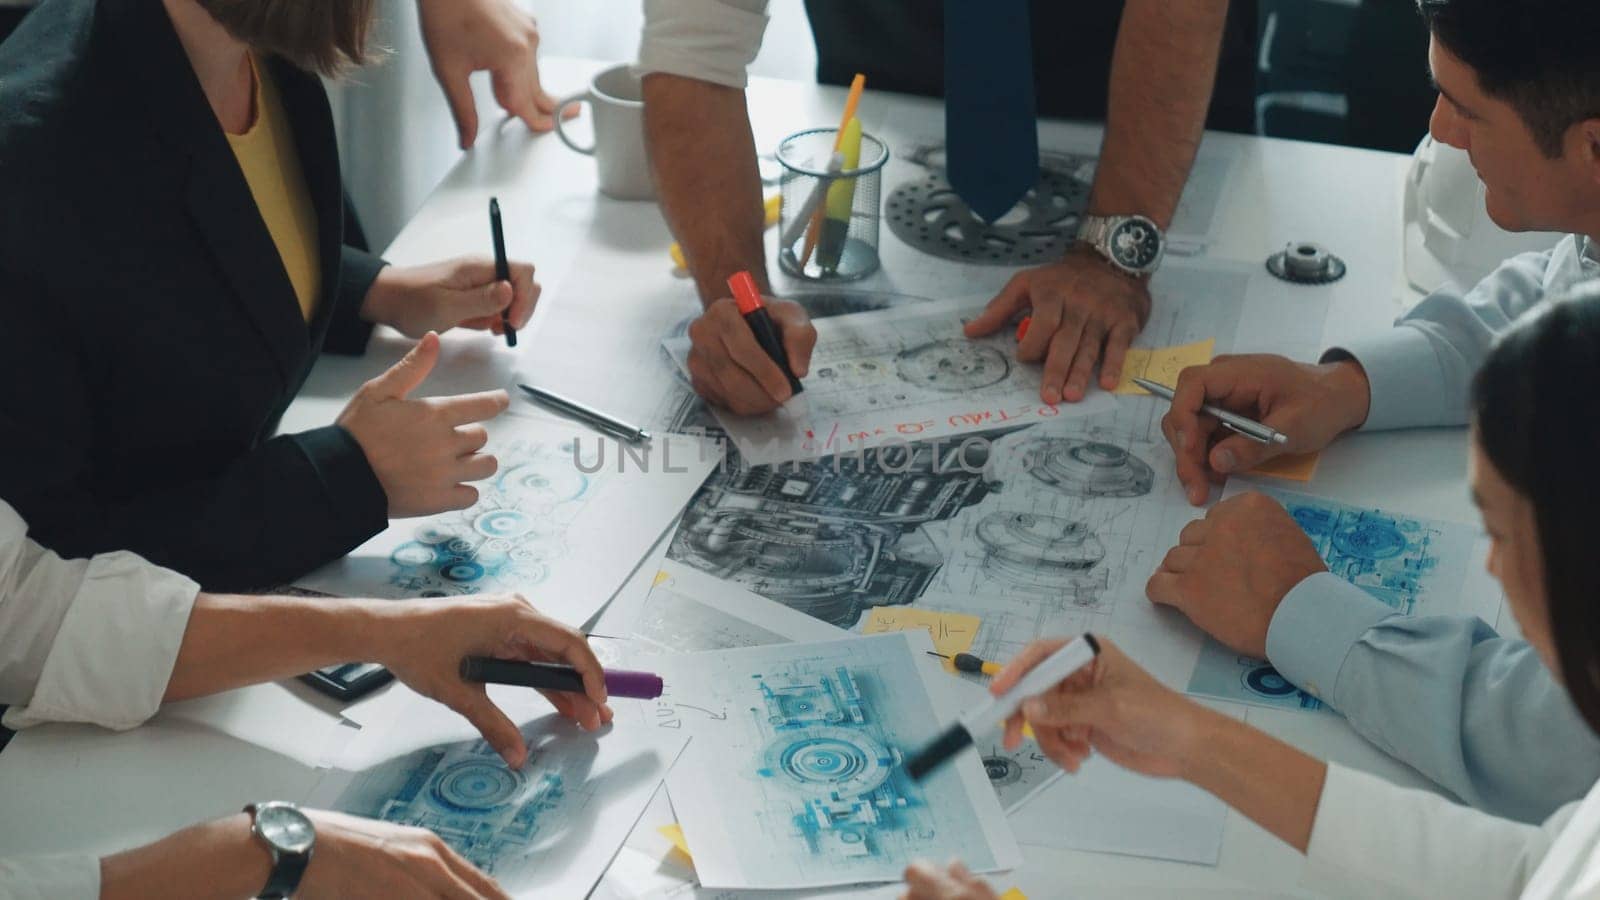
<point>1014,894</point>
<point>674,833</point>
<point>952,632</point>
<point>1295,467</point>
<point>1161,364</point>
<point>1027,732</point>
<point>771,208</point>
<point>661,575</point>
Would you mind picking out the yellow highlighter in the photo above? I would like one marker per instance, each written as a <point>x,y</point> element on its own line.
<point>770,219</point>
<point>841,200</point>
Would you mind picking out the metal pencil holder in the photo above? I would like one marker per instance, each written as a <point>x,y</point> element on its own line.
<point>841,248</point>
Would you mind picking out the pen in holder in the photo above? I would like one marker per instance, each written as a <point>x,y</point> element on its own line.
<point>828,224</point>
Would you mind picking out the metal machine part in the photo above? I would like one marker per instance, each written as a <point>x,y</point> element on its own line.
<point>926,213</point>
<point>1306,263</point>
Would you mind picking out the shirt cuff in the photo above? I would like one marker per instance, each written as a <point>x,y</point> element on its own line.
<point>75,877</point>
<point>112,659</point>
<point>1316,625</point>
<point>707,40</point>
<point>1404,377</point>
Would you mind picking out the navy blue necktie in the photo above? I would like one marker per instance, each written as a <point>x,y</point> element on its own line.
<point>990,132</point>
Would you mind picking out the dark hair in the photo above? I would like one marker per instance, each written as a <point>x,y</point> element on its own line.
<point>322,36</point>
<point>1537,55</point>
<point>1538,425</point>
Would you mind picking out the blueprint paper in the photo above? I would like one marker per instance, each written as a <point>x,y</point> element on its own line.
<point>1037,530</point>
<point>1415,565</point>
<point>1101,808</point>
<point>543,526</point>
<point>795,775</point>
<point>895,375</point>
<point>548,829</point>
<point>688,611</point>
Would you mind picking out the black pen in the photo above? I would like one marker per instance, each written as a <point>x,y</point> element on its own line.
<point>502,268</point>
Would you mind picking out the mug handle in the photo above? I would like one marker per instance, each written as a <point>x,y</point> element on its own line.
<point>561,132</point>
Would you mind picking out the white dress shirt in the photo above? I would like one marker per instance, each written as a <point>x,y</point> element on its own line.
<point>707,40</point>
<point>82,640</point>
<point>1375,839</point>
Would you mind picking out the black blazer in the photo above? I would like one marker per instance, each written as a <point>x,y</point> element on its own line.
<point>149,336</point>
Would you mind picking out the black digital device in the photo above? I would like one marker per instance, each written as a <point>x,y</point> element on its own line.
<point>349,681</point>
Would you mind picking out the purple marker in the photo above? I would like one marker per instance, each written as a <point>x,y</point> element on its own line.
<point>557,677</point>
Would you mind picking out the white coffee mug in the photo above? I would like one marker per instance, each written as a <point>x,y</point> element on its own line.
<point>616,102</point>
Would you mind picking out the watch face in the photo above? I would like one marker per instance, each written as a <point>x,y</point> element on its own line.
<point>1136,244</point>
<point>285,827</point>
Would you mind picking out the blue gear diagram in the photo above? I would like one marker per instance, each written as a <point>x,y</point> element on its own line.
<point>508,537</point>
<point>842,775</point>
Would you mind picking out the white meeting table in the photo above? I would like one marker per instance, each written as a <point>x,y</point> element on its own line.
<point>78,788</point>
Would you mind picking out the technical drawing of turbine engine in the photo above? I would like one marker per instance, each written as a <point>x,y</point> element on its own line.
<point>952,366</point>
<point>478,806</point>
<point>1079,467</point>
<point>828,755</point>
<point>1053,556</point>
<point>1385,556</point>
<point>833,537</point>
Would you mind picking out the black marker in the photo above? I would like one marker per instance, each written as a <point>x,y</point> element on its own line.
<point>748,296</point>
<point>502,268</point>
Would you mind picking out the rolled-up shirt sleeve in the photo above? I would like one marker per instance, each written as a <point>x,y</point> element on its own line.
<point>707,40</point>
<point>1371,838</point>
<point>75,877</point>
<point>85,640</point>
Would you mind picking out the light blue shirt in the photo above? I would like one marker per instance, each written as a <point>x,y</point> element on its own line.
<point>1445,694</point>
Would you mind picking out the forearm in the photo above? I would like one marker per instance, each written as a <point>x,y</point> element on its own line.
<point>232,640</point>
<point>1275,785</point>
<point>218,859</point>
<point>703,158</point>
<point>1162,74</point>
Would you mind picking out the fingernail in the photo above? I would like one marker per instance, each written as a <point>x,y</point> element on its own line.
<point>1032,709</point>
<point>1225,461</point>
<point>1183,440</point>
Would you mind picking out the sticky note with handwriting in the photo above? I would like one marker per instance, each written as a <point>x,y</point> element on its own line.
<point>1161,364</point>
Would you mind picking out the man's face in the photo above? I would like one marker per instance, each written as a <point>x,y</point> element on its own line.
<point>1527,191</point>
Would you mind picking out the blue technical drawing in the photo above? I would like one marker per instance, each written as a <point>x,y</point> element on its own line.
<point>1222,673</point>
<point>1386,556</point>
<point>1394,558</point>
<point>509,535</point>
<point>468,797</point>
<point>840,770</point>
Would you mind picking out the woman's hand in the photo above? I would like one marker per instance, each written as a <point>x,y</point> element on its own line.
<point>423,642</point>
<point>356,858</point>
<point>456,293</point>
<point>1112,706</point>
<point>926,881</point>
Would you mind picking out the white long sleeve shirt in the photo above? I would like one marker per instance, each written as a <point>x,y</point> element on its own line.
<point>82,640</point>
<point>1375,839</point>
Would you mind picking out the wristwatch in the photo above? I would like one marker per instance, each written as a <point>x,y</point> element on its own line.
<point>1133,244</point>
<point>289,836</point>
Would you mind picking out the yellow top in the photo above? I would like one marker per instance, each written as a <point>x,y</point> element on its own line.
<point>271,164</point>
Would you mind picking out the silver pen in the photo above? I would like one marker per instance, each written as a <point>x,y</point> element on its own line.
<point>587,415</point>
<point>1250,428</point>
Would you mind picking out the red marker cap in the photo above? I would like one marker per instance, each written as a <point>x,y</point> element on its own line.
<point>745,292</point>
<point>1022,328</point>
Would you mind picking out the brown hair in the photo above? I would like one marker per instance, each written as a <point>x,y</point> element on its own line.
<point>323,36</point>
